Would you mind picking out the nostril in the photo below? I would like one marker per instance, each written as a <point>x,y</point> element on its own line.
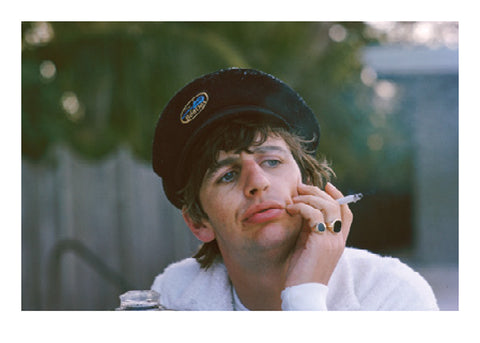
<point>254,179</point>
<point>257,190</point>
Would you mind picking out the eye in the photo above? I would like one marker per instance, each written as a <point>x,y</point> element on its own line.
<point>228,177</point>
<point>272,163</point>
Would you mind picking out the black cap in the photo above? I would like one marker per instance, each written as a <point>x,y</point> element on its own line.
<point>228,92</point>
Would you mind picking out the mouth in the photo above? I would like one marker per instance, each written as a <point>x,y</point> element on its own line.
<point>263,212</point>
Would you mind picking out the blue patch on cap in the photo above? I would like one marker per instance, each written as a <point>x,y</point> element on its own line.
<point>194,107</point>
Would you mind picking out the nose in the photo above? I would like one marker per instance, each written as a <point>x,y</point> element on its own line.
<point>255,180</point>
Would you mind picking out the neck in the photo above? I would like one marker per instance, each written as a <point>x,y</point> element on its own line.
<point>258,288</point>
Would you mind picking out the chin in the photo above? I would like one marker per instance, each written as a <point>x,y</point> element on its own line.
<point>276,235</point>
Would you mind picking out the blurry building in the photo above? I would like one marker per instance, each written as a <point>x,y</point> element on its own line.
<point>428,82</point>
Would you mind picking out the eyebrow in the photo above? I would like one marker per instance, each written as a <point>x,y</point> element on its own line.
<point>232,159</point>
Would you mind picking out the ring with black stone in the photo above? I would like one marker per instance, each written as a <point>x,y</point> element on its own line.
<point>335,226</point>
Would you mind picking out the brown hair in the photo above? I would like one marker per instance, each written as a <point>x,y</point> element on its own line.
<point>239,135</point>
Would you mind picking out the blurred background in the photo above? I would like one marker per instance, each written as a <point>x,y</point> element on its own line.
<point>95,222</point>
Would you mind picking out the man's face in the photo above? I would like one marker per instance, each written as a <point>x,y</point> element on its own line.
<point>245,198</point>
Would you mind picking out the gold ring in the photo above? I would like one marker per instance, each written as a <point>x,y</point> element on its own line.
<point>335,226</point>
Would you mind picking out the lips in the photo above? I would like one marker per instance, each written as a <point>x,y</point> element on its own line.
<point>262,212</point>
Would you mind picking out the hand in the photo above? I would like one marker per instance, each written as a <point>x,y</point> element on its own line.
<point>316,254</point>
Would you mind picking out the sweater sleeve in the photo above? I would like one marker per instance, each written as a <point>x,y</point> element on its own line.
<point>305,297</point>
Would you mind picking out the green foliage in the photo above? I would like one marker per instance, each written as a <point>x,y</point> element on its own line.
<point>112,80</point>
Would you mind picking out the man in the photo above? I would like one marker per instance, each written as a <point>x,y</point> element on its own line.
<point>236,153</point>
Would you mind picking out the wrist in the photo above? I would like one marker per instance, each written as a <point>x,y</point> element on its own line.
<point>310,296</point>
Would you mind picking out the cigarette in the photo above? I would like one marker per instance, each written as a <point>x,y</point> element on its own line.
<point>350,198</point>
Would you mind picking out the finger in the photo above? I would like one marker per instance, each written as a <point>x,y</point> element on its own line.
<point>321,200</point>
<point>346,214</point>
<point>312,215</point>
<point>331,190</point>
<point>304,189</point>
<point>329,206</point>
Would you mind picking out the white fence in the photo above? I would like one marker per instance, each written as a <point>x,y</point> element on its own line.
<point>92,229</point>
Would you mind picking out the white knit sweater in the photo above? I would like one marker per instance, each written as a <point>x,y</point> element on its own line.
<point>361,281</point>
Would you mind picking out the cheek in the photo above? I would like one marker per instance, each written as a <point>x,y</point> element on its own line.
<point>287,185</point>
<point>217,206</point>
<point>296,181</point>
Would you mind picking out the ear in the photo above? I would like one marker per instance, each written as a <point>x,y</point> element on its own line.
<point>203,231</point>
